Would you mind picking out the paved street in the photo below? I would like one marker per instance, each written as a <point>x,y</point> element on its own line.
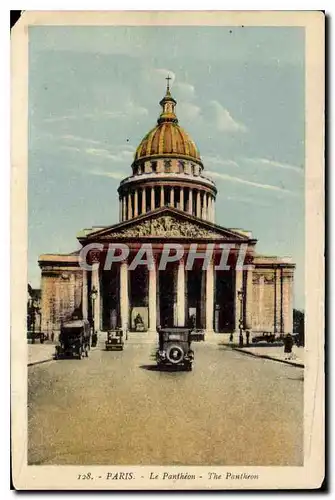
<point>116,408</point>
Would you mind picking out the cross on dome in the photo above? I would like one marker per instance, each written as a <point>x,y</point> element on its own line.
<point>168,78</point>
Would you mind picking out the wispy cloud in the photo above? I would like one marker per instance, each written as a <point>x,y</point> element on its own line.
<point>270,187</point>
<point>62,118</point>
<point>184,90</point>
<point>113,175</point>
<point>251,201</point>
<point>121,156</point>
<point>224,120</point>
<point>276,164</point>
<point>130,110</point>
<point>188,111</point>
<point>71,148</point>
<point>220,162</point>
<point>76,138</point>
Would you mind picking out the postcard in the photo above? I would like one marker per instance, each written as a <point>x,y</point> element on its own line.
<point>167,323</point>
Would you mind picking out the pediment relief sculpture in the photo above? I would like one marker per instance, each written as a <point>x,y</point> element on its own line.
<point>166,226</point>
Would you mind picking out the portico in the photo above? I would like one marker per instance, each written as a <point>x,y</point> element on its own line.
<point>165,279</point>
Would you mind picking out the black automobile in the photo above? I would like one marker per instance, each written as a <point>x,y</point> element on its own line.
<point>74,339</point>
<point>265,337</point>
<point>197,335</point>
<point>174,348</point>
<point>114,340</point>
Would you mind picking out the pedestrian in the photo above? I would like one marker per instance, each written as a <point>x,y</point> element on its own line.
<point>288,344</point>
<point>231,338</point>
<point>52,336</point>
<point>248,337</point>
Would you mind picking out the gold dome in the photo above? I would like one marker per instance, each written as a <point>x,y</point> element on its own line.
<point>167,138</point>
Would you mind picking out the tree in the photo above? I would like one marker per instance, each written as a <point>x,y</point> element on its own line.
<point>299,325</point>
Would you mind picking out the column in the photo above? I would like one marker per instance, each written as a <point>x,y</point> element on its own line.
<point>204,207</point>
<point>84,303</point>
<point>120,209</point>
<point>181,198</point>
<point>198,204</point>
<point>278,302</point>
<point>210,208</point>
<point>238,287</point>
<point>249,300</point>
<point>181,293</point>
<point>190,201</point>
<point>261,286</point>
<point>287,301</point>
<point>124,299</point>
<point>124,208</point>
<point>136,203</point>
<point>144,201</point>
<point>158,302</point>
<point>162,197</point>
<point>152,198</point>
<point>213,209</point>
<point>172,197</point>
<point>152,300</point>
<point>96,284</point>
<point>130,211</point>
<point>210,298</point>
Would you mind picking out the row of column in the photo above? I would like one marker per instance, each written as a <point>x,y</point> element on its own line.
<point>199,203</point>
<point>280,303</point>
<point>209,297</point>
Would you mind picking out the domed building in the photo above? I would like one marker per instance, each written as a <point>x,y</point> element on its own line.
<point>166,262</point>
<point>167,171</point>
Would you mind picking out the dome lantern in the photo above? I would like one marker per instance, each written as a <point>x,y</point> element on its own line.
<point>168,104</point>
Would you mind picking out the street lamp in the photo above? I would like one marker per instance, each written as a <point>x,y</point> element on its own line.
<point>240,295</point>
<point>93,295</point>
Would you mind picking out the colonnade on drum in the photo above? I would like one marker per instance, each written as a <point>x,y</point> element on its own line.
<point>208,295</point>
<point>195,201</point>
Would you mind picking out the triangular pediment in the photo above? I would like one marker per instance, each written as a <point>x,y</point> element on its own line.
<point>164,223</point>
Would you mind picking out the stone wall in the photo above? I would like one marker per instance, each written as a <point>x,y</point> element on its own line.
<point>61,296</point>
<point>273,299</point>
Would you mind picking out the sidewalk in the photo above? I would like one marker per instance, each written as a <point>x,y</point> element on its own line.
<point>40,353</point>
<point>275,353</point>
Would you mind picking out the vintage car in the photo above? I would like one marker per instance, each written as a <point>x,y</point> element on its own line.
<point>174,348</point>
<point>265,337</point>
<point>74,339</point>
<point>114,340</point>
<point>197,335</point>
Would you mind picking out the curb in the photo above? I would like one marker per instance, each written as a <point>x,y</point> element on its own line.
<point>52,359</point>
<point>265,356</point>
<point>40,362</point>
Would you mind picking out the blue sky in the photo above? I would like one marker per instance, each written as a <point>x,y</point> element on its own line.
<point>94,93</point>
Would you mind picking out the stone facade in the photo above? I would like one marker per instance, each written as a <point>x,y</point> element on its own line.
<point>266,284</point>
<point>168,198</point>
<point>61,288</point>
<point>273,295</point>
